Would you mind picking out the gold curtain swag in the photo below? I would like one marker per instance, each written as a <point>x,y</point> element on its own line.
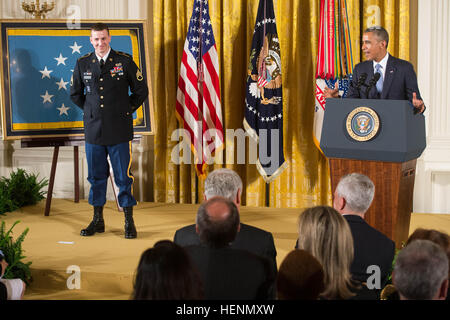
<point>306,181</point>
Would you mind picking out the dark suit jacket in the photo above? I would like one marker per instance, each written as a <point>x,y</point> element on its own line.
<point>371,247</point>
<point>255,240</point>
<point>103,95</point>
<point>3,292</point>
<point>233,274</point>
<point>400,81</point>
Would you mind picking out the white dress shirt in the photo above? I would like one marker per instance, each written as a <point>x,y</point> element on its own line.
<point>383,64</point>
<point>104,57</point>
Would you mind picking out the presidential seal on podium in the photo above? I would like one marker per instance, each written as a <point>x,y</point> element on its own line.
<point>362,124</point>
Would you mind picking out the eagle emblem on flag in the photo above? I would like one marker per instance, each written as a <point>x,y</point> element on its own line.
<point>269,67</point>
<point>263,119</point>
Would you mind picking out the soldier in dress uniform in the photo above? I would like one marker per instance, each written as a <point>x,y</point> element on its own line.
<point>100,86</point>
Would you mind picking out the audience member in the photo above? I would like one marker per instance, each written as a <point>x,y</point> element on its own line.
<point>421,271</point>
<point>227,183</point>
<point>440,238</point>
<point>352,198</point>
<point>228,273</point>
<point>300,277</point>
<point>166,272</point>
<point>3,292</point>
<point>325,234</point>
<point>14,288</point>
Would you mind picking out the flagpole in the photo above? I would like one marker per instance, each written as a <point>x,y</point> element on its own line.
<point>263,73</point>
<point>200,87</point>
<point>196,188</point>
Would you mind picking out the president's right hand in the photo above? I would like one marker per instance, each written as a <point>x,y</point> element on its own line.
<point>331,93</point>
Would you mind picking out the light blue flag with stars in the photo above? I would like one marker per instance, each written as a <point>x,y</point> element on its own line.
<point>40,68</point>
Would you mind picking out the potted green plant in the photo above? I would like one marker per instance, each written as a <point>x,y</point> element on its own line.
<point>20,189</point>
<point>14,255</point>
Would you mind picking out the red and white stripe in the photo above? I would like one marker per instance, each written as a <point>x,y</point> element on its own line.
<point>198,105</point>
<point>261,81</point>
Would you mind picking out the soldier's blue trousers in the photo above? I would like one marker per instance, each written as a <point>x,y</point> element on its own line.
<point>98,172</point>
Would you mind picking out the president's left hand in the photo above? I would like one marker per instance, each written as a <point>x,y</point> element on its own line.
<point>417,103</point>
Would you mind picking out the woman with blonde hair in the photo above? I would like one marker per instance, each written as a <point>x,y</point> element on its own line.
<point>325,234</point>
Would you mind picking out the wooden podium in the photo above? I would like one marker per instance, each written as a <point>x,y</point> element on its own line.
<point>381,139</point>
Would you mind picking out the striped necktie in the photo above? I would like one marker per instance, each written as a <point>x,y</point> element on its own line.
<point>380,81</point>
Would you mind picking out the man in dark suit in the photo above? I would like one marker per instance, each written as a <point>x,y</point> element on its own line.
<point>352,198</point>
<point>397,80</point>
<point>228,273</point>
<point>3,292</point>
<point>227,183</point>
<point>100,84</point>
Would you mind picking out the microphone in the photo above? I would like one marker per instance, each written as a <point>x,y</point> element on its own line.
<point>373,82</point>
<point>361,80</point>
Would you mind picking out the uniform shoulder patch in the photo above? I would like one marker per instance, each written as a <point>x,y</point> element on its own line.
<point>124,54</point>
<point>86,55</point>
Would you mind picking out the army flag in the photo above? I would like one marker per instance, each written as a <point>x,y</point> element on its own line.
<point>198,104</point>
<point>264,102</point>
<point>334,57</point>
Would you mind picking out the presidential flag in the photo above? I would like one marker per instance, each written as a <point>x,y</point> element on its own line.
<point>334,57</point>
<point>198,95</point>
<point>264,99</point>
<point>40,67</point>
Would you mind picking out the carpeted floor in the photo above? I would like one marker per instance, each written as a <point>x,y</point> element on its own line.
<point>107,261</point>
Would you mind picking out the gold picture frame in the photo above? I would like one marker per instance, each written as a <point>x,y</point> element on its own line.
<point>33,60</point>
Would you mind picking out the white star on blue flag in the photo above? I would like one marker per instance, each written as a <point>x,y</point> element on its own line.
<point>200,29</point>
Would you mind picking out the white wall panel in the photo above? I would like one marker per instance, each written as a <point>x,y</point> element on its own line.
<point>432,187</point>
<point>89,9</point>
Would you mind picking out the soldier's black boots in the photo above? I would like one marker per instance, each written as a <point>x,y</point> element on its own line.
<point>130,229</point>
<point>97,224</point>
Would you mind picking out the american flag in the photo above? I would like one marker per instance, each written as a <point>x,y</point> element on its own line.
<point>198,96</point>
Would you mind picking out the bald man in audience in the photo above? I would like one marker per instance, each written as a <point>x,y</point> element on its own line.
<point>227,183</point>
<point>228,273</point>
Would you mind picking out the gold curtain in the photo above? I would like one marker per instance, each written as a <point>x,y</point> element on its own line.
<point>306,180</point>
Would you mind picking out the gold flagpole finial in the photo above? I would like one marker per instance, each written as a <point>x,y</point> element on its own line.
<point>37,10</point>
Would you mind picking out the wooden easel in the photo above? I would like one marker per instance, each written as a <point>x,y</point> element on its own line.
<point>57,142</point>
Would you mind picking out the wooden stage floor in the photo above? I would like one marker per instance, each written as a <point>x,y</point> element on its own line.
<point>108,262</point>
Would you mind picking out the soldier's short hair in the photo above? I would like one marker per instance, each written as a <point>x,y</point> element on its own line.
<point>99,27</point>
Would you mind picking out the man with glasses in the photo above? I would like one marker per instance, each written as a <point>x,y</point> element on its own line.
<point>397,79</point>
